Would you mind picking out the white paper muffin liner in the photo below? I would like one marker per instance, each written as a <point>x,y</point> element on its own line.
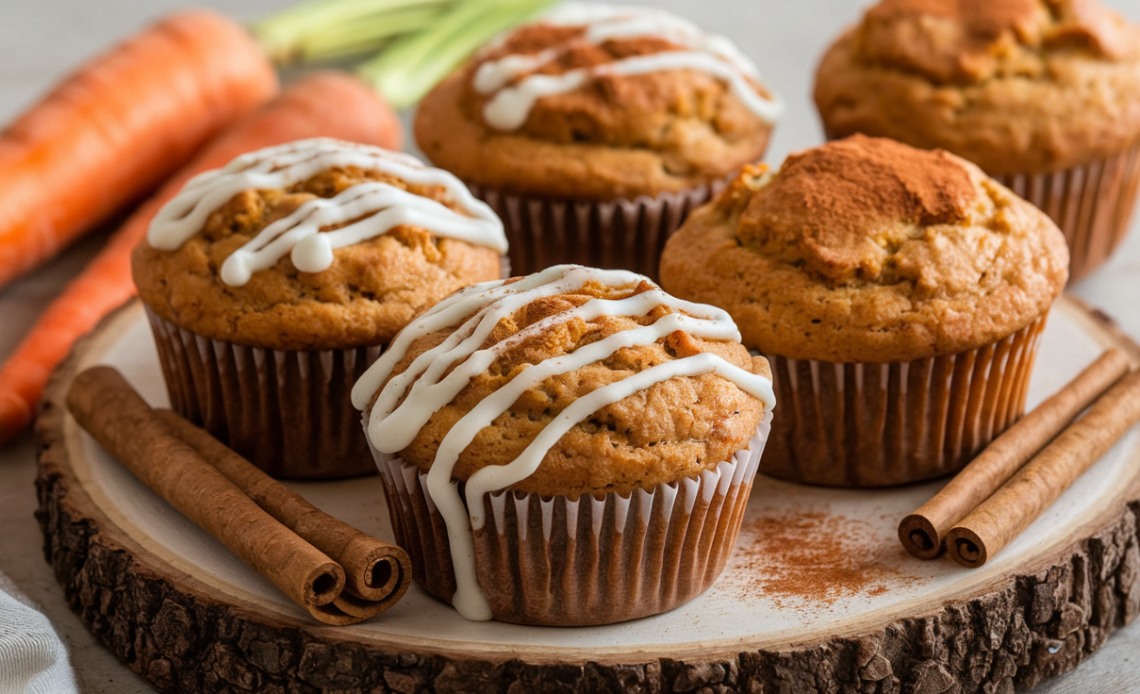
<point>874,425</point>
<point>288,412</point>
<point>1092,204</point>
<point>564,561</point>
<point>616,234</point>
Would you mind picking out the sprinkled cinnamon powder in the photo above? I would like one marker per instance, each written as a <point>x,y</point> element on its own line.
<point>810,556</point>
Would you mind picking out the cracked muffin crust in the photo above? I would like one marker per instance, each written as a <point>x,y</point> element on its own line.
<point>671,430</point>
<point>610,135</point>
<point>867,250</point>
<point>899,293</point>
<point>370,290</point>
<point>1016,86</point>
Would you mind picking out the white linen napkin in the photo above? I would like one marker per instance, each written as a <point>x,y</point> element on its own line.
<point>32,658</point>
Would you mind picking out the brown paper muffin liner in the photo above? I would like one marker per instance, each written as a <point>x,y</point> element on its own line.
<point>874,425</point>
<point>617,234</point>
<point>289,412</point>
<point>1092,204</point>
<point>560,561</point>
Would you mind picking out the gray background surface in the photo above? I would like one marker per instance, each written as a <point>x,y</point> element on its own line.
<point>42,41</point>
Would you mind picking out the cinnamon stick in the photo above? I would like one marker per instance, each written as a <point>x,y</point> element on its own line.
<point>923,532</point>
<point>377,573</point>
<point>108,408</point>
<point>1002,517</point>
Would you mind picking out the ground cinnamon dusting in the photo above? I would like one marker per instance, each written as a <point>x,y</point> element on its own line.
<point>810,556</point>
<point>834,208</point>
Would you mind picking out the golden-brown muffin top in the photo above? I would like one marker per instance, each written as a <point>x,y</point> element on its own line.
<point>867,250</point>
<point>967,41</point>
<point>1015,85</point>
<point>662,128</point>
<point>674,428</point>
<point>369,290</point>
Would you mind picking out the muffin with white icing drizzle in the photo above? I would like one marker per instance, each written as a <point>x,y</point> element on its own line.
<point>586,416</point>
<point>595,129</point>
<point>273,282</point>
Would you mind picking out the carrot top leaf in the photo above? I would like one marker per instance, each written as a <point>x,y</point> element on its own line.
<point>414,63</point>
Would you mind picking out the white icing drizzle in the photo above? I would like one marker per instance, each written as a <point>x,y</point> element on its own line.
<point>408,400</point>
<point>367,210</point>
<point>511,104</point>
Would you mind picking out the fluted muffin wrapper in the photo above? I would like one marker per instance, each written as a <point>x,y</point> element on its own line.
<point>288,412</point>
<point>874,425</point>
<point>1092,204</point>
<point>580,561</point>
<point>613,234</point>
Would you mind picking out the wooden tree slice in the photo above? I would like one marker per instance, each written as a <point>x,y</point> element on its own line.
<point>177,608</point>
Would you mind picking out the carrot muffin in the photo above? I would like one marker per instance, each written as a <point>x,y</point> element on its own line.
<point>1044,95</point>
<point>271,284</point>
<point>594,130</point>
<point>587,417</point>
<point>898,293</point>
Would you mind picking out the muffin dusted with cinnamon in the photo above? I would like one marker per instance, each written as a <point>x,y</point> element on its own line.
<point>1042,94</point>
<point>604,410</point>
<point>565,124</point>
<point>272,283</point>
<point>899,294</point>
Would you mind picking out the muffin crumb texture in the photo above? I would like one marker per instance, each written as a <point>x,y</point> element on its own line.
<point>866,250</point>
<point>674,429</point>
<point>971,40</point>
<point>1014,86</point>
<point>372,289</point>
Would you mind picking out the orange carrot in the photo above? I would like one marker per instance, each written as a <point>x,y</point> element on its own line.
<point>327,104</point>
<point>113,130</point>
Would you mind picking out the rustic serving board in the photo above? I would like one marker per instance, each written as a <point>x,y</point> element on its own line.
<point>819,595</point>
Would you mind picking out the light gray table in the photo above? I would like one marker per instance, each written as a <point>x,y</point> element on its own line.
<point>41,41</point>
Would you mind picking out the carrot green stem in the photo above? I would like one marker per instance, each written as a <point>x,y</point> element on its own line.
<point>366,35</point>
<point>412,64</point>
<point>340,27</point>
